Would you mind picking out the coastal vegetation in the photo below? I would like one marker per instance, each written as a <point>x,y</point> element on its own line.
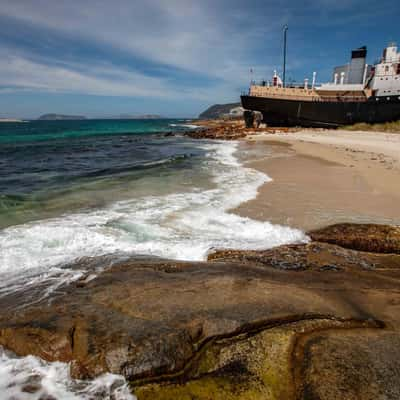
<point>390,127</point>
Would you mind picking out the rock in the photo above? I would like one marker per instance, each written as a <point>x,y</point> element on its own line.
<point>218,130</point>
<point>307,321</point>
<point>348,366</point>
<point>276,364</point>
<point>312,256</point>
<point>364,237</point>
<point>218,133</point>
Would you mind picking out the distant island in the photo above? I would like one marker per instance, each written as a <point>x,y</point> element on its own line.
<point>136,116</point>
<point>59,117</point>
<point>219,110</point>
<point>10,120</point>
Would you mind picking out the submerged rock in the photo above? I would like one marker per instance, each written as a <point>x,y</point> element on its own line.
<point>309,321</point>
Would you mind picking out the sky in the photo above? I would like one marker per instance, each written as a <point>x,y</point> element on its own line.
<point>172,57</point>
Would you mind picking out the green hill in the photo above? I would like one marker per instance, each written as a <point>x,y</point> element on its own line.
<point>217,110</point>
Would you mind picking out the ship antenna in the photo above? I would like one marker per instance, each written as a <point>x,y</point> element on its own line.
<point>285,29</point>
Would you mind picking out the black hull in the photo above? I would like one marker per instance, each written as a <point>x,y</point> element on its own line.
<point>321,113</point>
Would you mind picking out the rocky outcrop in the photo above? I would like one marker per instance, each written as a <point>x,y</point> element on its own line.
<point>229,130</point>
<point>314,256</point>
<point>219,132</point>
<point>307,321</point>
<point>363,237</point>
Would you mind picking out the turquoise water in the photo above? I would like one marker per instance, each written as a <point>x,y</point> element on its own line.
<point>33,131</point>
<point>51,167</point>
<point>72,190</point>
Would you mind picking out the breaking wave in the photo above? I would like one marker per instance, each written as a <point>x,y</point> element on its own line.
<point>182,226</point>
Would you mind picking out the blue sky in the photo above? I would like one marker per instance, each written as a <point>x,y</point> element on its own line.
<point>171,57</point>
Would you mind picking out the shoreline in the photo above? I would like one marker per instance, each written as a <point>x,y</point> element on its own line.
<point>323,178</point>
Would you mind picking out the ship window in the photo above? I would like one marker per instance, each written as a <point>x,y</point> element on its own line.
<point>387,98</point>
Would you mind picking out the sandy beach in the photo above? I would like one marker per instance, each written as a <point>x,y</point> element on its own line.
<point>325,177</point>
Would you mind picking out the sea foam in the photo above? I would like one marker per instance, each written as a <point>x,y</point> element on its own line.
<point>188,126</point>
<point>181,226</point>
<point>30,378</point>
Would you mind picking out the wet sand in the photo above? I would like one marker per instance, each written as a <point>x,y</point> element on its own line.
<point>326,177</point>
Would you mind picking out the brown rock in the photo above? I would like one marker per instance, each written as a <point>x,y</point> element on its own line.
<point>311,321</point>
<point>353,365</point>
<point>363,237</point>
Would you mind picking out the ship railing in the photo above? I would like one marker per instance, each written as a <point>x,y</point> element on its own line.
<point>290,85</point>
<point>331,99</point>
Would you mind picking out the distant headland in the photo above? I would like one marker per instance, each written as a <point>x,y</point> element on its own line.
<point>217,111</point>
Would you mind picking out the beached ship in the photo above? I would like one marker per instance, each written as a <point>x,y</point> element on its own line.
<point>358,93</point>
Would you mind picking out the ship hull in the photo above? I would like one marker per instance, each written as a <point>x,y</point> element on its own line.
<point>322,113</point>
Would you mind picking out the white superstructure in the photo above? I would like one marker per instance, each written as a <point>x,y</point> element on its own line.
<point>386,76</point>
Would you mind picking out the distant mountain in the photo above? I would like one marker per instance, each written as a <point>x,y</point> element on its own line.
<point>59,117</point>
<point>218,110</point>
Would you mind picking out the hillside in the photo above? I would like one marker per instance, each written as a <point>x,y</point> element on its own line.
<point>217,110</point>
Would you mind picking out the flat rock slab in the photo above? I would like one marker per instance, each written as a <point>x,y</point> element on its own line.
<point>364,237</point>
<point>250,325</point>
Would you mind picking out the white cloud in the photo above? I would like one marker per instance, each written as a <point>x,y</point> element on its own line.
<point>220,39</point>
<point>97,79</point>
<point>192,35</point>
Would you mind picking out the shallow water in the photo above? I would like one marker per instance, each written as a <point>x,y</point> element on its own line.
<point>115,189</point>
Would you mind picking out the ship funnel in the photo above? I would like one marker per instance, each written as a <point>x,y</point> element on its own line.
<point>357,65</point>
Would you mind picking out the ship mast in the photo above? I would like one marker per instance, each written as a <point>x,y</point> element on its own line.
<point>285,29</point>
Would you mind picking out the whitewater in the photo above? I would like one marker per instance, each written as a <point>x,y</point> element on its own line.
<point>182,226</point>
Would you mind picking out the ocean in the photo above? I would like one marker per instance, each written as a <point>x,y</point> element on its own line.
<point>76,189</point>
